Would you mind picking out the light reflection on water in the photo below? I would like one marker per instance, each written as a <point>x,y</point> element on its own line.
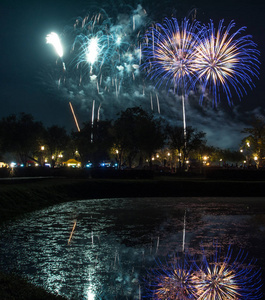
<point>94,249</point>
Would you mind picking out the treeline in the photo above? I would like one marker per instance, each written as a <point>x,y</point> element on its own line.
<point>135,139</point>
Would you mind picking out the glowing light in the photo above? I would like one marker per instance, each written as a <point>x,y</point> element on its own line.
<point>118,41</point>
<point>12,164</point>
<point>54,40</point>
<point>92,50</point>
<point>90,295</point>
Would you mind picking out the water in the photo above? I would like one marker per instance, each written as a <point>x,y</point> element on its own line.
<point>103,249</point>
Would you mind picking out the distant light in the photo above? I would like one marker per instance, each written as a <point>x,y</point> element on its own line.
<point>42,147</point>
<point>89,165</point>
<point>13,164</point>
<point>255,158</point>
<point>241,150</point>
<point>168,154</point>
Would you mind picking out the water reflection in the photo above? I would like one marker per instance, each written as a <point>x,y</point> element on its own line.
<point>104,248</point>
<point>208,278</point>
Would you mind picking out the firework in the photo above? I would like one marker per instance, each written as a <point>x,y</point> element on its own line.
<point>102,56</point>
<point>169,53</point>
<point>170,56</point>
<point>54,40</point>
<point>224,60</point>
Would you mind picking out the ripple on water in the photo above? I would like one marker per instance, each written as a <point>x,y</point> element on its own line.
<point>115,241</point>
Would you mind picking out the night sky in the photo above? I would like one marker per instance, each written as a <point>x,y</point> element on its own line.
<point>28,65</point>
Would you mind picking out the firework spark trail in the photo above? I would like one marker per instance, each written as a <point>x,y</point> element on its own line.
<point>158,106</point>
<point>92,121</point>
<point>73,112</point>
<point>225,59</point>
<point>54,40</point>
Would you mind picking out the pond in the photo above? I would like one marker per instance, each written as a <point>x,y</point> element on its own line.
<point>129,248</point>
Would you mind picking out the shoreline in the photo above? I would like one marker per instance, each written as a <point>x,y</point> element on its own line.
<point>23,195</point>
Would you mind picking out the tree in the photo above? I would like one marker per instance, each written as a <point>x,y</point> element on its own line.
<point>21,135</point>
<point>94,142</point>
<point>135,133</point>
<point>57,139</point>
<point>254,143</point>
<point>193,142</point>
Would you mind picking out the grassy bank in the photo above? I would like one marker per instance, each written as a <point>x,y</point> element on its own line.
<point>19,196</point>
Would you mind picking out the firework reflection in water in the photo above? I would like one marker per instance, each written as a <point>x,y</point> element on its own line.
<point>172,280</point>
<point>228,278</point>
<point>214,278</point>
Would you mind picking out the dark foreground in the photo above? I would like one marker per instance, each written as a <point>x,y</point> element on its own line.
<point>19,196</point>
